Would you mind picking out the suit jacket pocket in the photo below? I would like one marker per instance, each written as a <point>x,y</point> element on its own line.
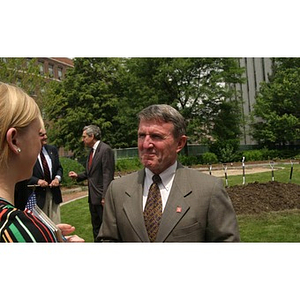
<point>195,228</point>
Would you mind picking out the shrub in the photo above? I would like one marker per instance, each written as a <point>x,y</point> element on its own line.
<point>270,154</point>
<point>262,154</point>
<point>288,153</point>
<point>209,158</point>
<point>68,165</point>
<point>253,155</point>
<point>128,164</point>
<point>225,150</point>
<point>238,156</point>
<point>227,153</point>
<point>188,160</point>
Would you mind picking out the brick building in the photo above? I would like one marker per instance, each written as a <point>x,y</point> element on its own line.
<point>54,67</point>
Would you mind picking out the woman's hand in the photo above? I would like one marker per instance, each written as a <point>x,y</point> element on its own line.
<point>74,239</point>
<point>67,229</point>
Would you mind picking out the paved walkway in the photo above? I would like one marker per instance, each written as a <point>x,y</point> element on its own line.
<point>235,171</point>
<point>73,194</point>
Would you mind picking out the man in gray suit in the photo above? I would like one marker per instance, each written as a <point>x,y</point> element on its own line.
<point>100,168</point>
<point>189,206</point>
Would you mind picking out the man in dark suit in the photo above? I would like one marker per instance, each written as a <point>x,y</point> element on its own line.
<point>100,168</point>
<point>47,174</point>
<point>179,205</point>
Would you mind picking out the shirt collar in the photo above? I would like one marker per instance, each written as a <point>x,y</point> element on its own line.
<point>166,176</point>
<point>44,150</point>
<point>96,145</point>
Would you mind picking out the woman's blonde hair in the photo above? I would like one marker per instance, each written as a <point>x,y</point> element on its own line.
<point>17,110</point>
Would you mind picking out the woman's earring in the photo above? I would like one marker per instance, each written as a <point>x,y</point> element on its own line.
<point>19,150</point>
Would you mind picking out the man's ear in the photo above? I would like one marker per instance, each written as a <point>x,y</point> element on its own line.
<point>12,140</point>
<point>181,143</point>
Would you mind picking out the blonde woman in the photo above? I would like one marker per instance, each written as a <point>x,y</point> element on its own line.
<point>20,144</point>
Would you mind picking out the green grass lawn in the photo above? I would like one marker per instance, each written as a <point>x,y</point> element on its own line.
<point>281,226</point>
<point>77,214</point>
<point>270,227</point>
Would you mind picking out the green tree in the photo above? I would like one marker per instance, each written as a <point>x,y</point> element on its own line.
<point>226,131</point>
<point>277,107</point>
<point>109,92</point>
<point>195,86</point>
<point>138,88</point>
<point>86,96</point>
<point>200,86</point>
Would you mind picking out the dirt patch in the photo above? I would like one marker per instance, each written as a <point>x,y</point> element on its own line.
<point>255,198</point>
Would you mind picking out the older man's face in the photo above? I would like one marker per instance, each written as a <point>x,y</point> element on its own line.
<point>88,140</point>
<point>157,146</point>
<point>43,136</point>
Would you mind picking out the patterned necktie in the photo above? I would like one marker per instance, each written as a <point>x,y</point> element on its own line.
<point>91,157</point>
<point>45,167</point>
<point>153,209</point>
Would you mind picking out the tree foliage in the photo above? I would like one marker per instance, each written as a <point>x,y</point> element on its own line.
<point>278,105</point>
<point>86,96</point>
<point>195,86</point>
<point>109,92</point>
<point>226,131</point>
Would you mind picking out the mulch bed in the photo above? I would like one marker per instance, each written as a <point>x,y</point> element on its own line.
<point>255,198</point>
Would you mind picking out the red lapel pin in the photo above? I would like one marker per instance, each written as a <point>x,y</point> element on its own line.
<point>178,209</point>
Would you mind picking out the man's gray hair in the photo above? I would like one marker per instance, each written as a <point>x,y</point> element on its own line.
<point>166,113</point>
<point>93,129</point>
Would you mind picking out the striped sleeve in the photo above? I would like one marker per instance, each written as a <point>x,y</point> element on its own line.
<point>22,226</point>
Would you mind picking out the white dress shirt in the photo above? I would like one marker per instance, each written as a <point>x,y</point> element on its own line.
<point>167,178</point>
<point>95,147</point>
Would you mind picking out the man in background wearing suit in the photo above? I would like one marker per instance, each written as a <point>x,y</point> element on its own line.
<point>47,174</point>
<point>100,169</point>
<point>179,205</point>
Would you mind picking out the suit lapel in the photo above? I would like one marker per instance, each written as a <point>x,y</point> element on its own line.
<point>38,171</point>
<point>50,153</point>
<point>133,206</point>
<point>175,209</point>
<point>176,206</point>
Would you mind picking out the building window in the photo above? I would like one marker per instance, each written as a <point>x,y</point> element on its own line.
<point>51,70</point>
<point>59,73</point>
